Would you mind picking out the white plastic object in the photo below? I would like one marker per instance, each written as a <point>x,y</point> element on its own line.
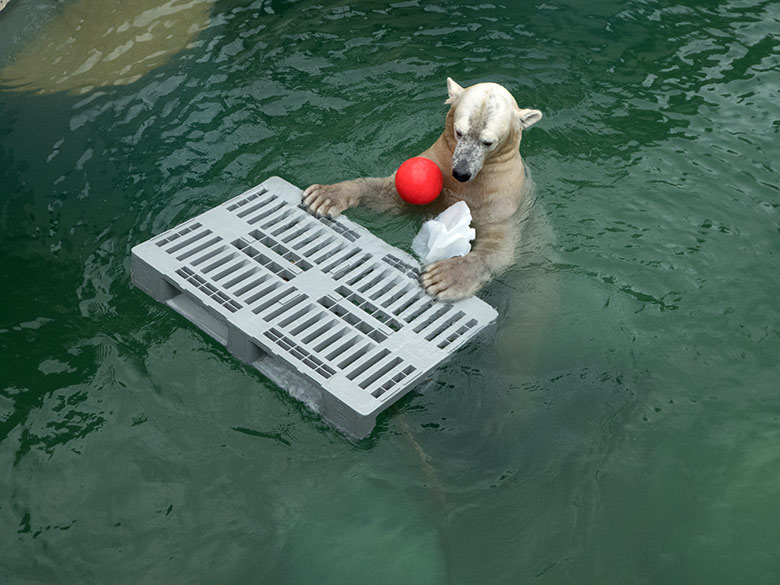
<point>330,313</point>
<point>447,235</point>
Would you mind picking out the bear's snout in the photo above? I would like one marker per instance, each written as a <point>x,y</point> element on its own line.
<point>461,173</point>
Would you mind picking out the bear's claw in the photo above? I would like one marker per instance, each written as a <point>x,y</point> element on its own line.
<point>325,200</point>
<point>452,279</point>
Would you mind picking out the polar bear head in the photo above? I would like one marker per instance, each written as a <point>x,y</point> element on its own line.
<point>485,120</point>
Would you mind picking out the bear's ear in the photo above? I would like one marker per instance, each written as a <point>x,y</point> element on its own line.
<point>454,90</point>
<point>527,118</point>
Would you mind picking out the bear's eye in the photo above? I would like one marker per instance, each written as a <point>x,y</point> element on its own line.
<point>488,143</point>
<point>458,134</point>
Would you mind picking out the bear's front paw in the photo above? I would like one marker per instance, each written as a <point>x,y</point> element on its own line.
<point>454,278</point>
<point>328,200</point>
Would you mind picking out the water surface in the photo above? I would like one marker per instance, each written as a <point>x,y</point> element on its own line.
<point>620,425</point>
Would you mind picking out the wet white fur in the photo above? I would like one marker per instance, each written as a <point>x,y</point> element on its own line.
<point>482,133</point>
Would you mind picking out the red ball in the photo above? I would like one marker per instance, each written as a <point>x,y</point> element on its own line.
<point>418,180</point>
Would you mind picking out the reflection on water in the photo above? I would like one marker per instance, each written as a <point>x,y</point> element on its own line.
<point>96,43</point>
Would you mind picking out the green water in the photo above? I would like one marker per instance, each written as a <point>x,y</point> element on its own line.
<point>621,424</point>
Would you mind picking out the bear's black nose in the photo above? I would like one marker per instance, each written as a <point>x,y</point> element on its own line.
<point>461,176</point>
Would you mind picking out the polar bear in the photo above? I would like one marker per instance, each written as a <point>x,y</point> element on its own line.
<point>479,158</point>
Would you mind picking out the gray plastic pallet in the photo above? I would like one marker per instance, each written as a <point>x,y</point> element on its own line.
<point>329,312</point>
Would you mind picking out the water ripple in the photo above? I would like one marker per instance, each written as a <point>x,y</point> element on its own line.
<point>634,359</point>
